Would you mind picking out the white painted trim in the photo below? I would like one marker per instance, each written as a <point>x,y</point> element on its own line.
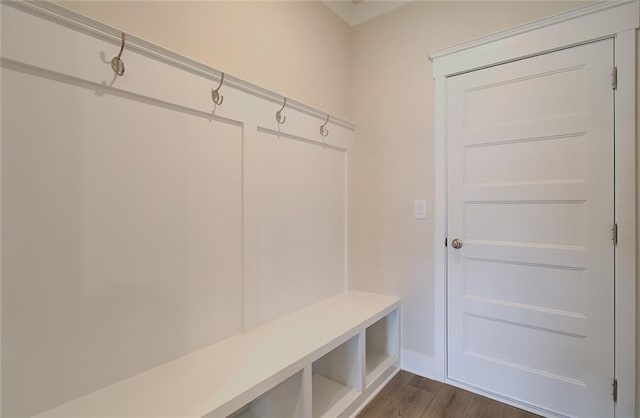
<point>625,213</point>
<point>0,227</point>
<point>528,27</point>
<point>440,233</point>
<point>250,226</point>
<point>418,363</point>
<point>347,164</point>
<point>356,13</point>
<point>59,14</point>
<point>602,20</point>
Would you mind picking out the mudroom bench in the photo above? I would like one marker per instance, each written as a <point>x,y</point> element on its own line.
<point>325,360</point>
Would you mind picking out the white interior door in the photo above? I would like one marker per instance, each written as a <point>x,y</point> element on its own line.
<point>530,195</point>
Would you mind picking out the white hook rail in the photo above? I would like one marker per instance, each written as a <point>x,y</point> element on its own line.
<point>70,18</point>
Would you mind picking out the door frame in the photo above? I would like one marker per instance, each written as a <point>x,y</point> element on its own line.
<point>617,20</point>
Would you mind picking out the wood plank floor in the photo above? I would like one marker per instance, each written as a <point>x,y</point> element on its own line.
<point>411,396</point>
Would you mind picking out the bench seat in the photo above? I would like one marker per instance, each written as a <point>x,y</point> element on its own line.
<point>220,379</point>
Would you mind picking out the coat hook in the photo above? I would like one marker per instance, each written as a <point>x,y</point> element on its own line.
<point>324,131</point>
<point>215,95</point>
<point>117,65</point>
<point>280,118</point>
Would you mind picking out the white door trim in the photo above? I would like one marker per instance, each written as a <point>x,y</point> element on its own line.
<point>586,24</point>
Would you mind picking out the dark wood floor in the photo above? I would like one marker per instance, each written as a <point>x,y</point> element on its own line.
<point>411,396</point>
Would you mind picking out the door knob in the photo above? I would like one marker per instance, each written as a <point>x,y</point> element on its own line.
<point>457,243</point>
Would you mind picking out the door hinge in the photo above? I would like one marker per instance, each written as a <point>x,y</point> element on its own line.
<point>614,78</point>
<point>614,234</point>
<point>614,393</point>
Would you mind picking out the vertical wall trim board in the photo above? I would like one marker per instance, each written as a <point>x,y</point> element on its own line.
<point>440,265</point>
<point>250,222</point>
<point>346,220</point>
<point>1,227</point>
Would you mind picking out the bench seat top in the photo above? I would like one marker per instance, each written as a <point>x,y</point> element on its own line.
<point>234,371</point>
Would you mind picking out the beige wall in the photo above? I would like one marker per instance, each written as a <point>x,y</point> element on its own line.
<point>392,102</point>
<point>297,49</point>
<point>302,50</point>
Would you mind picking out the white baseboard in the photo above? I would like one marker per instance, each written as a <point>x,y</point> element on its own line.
<point>418,363</point>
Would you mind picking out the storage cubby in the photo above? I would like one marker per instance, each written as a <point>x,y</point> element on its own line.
<point>286,400</point>
<point>381,346</point>
<point>336,379</point>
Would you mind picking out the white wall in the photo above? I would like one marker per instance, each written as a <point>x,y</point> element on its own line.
<point>391,93</point>
<point>299,49</point>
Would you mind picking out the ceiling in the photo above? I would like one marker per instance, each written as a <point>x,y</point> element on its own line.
<point>357,11</point>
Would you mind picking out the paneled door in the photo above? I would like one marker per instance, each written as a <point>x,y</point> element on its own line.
<point>530,215</point>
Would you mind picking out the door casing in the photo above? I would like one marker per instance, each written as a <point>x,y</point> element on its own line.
<point>583,25</point>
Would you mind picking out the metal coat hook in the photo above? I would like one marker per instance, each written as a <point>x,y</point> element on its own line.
<point>117,65</point>
<point>280,118</point>
<point>215,93</point>
<point>323,130</point>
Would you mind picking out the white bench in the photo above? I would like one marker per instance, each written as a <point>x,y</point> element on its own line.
<point>325,360</point>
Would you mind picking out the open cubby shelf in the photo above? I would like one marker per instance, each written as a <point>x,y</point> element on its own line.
<point>328,395</point>
<point>381,346</point>
<point>337,378</point>
<point>285,400</point>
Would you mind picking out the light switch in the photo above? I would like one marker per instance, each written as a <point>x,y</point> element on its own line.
<point>420,209</point>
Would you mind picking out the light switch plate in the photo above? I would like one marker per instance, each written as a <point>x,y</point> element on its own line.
<point>420,209</point>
